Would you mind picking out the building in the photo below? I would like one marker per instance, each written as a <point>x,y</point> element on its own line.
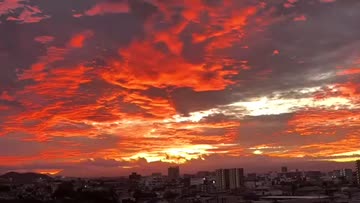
<point>236,176</point>
<point>347,174</point>
<point>154,181</point>
<point>313,175</point>
<point>335,174</point>
<point>134,176</point>
<point>134,180</point>
<point>292,175</point>
<point>251,176</point>
<point>284,169</point>
<point>197,181</point>
<point>229,178</point>
<point>173,173</point>
<point>358,172</point>
<point>222,179</point>
<point>156,174</point>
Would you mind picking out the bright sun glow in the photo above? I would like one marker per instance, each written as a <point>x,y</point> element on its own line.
<point>175,155</point>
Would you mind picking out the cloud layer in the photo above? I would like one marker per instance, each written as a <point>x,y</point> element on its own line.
<point>117,86</point>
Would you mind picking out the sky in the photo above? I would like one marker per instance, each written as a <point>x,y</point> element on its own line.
<point>108,87</point>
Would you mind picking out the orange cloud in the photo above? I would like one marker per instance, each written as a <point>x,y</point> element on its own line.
<point>321,151</point>
<point>350,71</point>
<point>322,122</point>
<point>51,155</point>
<point>85,99</point>
<point>48,171</point>
<point>158,69</point>
<point>233,27</point>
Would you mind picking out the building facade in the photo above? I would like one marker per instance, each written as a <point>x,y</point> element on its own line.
<point>229,179</point>
<point>236,176</point>
<point>174,173</point>
<point>358,172</point>
<point>347,174</point>
<point>222,179</point>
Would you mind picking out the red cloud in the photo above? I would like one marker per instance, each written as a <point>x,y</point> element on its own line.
<point>321,122</point>
<point>157,69</point>
<point>290,3</point>
<point>59,103</point>
<point>350,71</point>
<point>276,52</point>
<point>44,39</point>
<point>108,7</point>
<point>77,41</point>
<point>28,14</point>
<point>5,96</point>
<point>300,18</point>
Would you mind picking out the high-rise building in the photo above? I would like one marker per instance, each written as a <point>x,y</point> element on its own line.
<point>358,172</point>
<point>236,176</point>
<point>284,169</point>
<point>229,178</point>
<point>173,173</point>
<point>222,179</point>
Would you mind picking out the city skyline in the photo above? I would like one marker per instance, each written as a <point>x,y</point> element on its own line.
<point>91,87</point>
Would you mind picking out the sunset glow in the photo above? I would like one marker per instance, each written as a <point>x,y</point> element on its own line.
<point>113,86</point>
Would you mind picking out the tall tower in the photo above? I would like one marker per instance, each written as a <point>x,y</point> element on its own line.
<point>222,179</point>
<point>229,178</point>
<point>173,173</point>
<point>358,172</point>
<point>284,169</point>
<point>236,177</point>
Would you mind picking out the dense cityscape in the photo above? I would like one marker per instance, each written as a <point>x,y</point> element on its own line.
<point>231,185</point>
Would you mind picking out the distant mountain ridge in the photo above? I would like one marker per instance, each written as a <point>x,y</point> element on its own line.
<point>24,177</point>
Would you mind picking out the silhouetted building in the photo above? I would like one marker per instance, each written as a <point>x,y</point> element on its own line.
<point>292,175</point>
<point>173,173</point>
<point>222,179</point>
<point>347,174</point>
<point>284,169</point>
<point>236,176</point>
<point>156,174</point>
<point>134,179</point>
<point>335,174</point>
<point>134,176</point>
<point>315,175</point>
<point>251,176</point>
<point>358,172</point>
<point>156,180</point>
<point>229,178</point>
